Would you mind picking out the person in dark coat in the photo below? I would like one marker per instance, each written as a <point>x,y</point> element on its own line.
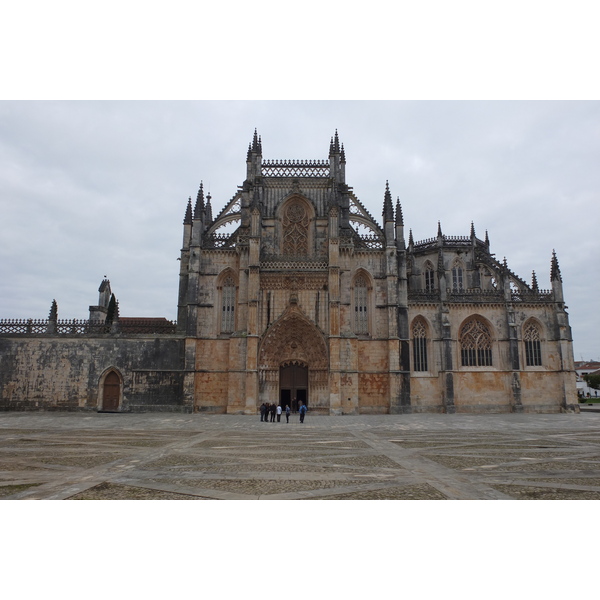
<point>263,411</point>
<point>272,409</point>
<point>287,413</point>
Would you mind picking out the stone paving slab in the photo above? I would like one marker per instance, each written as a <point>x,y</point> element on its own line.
<point>235,457</point>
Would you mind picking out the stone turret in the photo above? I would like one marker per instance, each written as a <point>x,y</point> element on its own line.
<point>99,312</point>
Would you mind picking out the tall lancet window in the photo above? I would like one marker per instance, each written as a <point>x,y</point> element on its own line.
<point>228,306</point>
<point>475,344</point>
<point>429,277</point>
<point>533,347</point>
<point>457,276</point>
<point>419,333</point>
<point>361,294</point>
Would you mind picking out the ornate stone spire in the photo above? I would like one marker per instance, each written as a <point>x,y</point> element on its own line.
<point>534,282</point>
<point>555,269</point>
<point>187,220</point>
<point>411,241</point>
<point>199,208</point>
<point>439,233</point>
<point>53,316</point>
<point>472,230</point>
<point>208,211</point>
<point>343,154</point>
<point>399,216</point>
<point>256,143</point>
<point>388,209</point>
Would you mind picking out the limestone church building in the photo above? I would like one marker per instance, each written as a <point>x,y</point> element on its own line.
<point>294,293</point>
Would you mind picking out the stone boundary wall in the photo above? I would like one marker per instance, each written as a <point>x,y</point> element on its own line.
<point>66,373</point>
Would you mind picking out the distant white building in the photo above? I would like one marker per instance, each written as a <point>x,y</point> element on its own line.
<point>583,368</point>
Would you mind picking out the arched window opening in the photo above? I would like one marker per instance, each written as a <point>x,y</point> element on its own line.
<point>457,277</point>
<point>419,334</point>
<point>475,344</point>
<point>533,347</point>
<point>228,306</point>
<point>429,278</point>
<point>361,318</point>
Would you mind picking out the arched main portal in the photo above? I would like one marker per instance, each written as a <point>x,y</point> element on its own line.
<point>294,363</point>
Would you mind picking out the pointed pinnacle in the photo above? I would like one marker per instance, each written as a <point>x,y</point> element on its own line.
<point>439,233</point>
<point>208,211</point>
<point>187,220</point>
<point>411,241</point>
<point>472,230</point>
<point>199,208</point>
<point>555,269</point>
<point>53,311</point>
<point>388,209</point>
<point>399,216</point>
<point>343,154</point>
<point>337,142</point>
<point>534,281</point>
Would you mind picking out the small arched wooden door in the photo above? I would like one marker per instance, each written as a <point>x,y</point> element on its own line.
<point>112,392</point>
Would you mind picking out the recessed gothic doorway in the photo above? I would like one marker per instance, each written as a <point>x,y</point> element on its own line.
<point>293,385</point>
<point>293,363</point>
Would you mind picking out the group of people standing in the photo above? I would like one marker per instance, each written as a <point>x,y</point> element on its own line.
<point>268,412</point>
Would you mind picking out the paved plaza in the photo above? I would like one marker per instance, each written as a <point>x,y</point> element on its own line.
<point>80,456</point>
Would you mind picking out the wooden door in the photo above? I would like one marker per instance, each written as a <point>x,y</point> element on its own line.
<point>112,392</point>
<point>293,383</point>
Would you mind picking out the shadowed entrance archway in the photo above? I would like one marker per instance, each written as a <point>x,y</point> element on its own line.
<point>294,362</point>
<point>293,385</point>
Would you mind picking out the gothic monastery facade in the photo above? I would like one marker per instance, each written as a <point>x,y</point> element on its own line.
<point>294,293</point>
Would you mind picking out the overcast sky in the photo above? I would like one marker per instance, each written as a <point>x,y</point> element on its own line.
<point>89,189</point>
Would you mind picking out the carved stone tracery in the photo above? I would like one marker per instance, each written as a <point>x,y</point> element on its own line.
<point>295,230</point>
<point>293,337</point>
<point>293,281</point>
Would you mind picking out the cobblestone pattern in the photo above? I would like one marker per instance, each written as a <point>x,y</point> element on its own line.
<point>395,457</point>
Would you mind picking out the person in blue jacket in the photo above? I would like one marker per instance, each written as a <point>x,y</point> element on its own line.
<point>302,412</point>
